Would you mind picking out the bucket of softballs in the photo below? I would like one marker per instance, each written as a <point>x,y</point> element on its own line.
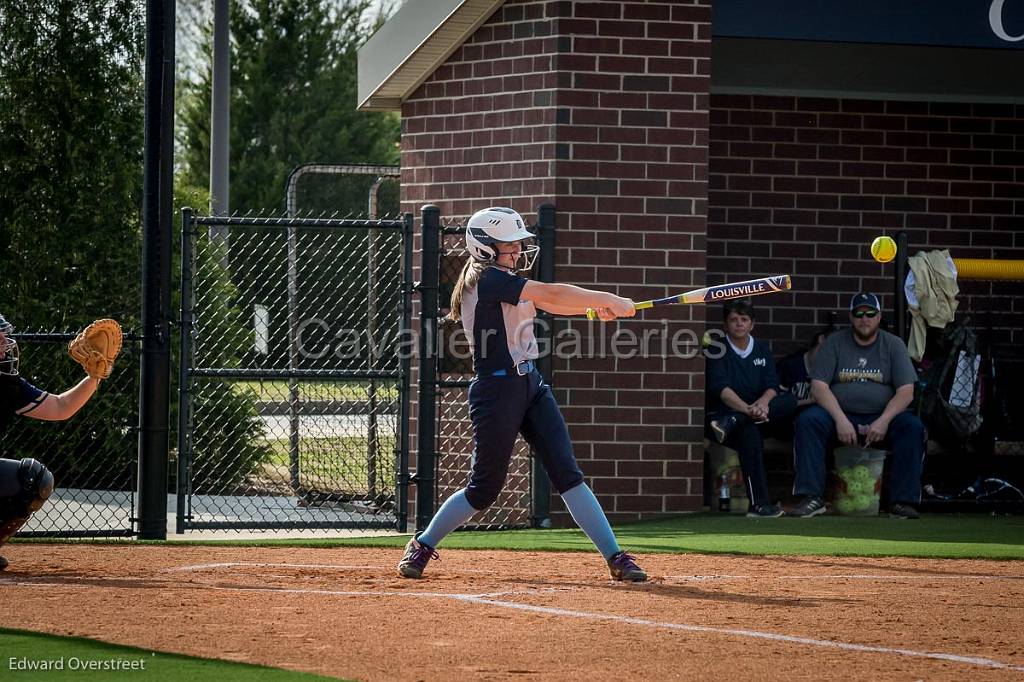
<point>859,474</point>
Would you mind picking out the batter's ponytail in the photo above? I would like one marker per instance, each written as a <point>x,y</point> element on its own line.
<point>468,278</point>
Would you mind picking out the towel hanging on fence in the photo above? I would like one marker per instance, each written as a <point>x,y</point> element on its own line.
<point>931,291</point>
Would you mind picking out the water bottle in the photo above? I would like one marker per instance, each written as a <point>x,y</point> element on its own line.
<point>723,494</point>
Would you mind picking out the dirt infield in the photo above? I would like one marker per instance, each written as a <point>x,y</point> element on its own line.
<point>502,615</point>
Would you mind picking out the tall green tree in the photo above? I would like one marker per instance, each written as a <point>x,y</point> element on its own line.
<point>293,99</point>
<point>71,135</point>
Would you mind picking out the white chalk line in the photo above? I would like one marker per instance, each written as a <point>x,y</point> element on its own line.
<point>489,599</point>
<point>335,567</point>
<point>236,564</point>
<point>98,582</point>
<point>972,660</point>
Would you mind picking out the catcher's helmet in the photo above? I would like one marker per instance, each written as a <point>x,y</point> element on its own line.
<point>8,349</point>
<point>490,226</point>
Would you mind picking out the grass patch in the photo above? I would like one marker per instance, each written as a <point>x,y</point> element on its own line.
<point>339,460</point>
<point>33,647</point>
<point>271,390</point>
<point>943,536</point>
<point>937,536</point>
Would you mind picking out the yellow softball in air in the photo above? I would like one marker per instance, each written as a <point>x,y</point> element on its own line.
<point>883,249</point>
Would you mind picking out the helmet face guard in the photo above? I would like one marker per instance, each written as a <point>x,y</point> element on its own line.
<point>9,354</point>
<point>527,257</point>
<point>492,226</point>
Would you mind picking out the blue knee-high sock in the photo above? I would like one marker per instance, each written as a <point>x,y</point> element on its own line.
<point>455,511</point>
<point>587,513</point>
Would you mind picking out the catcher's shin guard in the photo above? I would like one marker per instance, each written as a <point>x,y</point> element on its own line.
<point>24,487</point>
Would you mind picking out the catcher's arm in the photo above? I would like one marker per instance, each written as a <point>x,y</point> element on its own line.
<point>55,408</point>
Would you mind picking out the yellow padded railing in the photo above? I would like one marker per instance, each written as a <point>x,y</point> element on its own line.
<point>984,268</point>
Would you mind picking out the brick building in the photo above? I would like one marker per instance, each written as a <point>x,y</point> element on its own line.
<point>686,143</point>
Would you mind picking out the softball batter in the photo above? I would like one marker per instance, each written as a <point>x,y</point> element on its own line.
<point>508,395</point>
<point>26,484</point>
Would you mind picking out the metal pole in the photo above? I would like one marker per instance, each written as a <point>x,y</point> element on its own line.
<point>405,387</point>
<point>293,355</point>
<point>540,485</point>
<point>220,118</point>
<point>372,434</point>
<point>156,269</point>
<point>899,303</point>
<point>184,482</point>
<point>427,416</point>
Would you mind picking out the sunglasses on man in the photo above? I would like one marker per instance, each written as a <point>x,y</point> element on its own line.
<point>864,313</point>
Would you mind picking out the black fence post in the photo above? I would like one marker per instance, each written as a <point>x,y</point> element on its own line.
<point>405,386</point>
<point>427,417</point>
<point>540,488</point>
<point>158,220</point>
<point>899,303</point>
<point>184,475</point>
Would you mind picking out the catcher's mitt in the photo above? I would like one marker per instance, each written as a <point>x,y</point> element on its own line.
<point>96,348</point>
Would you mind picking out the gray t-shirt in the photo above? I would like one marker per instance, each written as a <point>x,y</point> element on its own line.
<point>863,378</point>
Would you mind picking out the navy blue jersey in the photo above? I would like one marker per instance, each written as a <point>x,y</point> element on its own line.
<point>748,377</point>
<point>498,324</point>
<point>16,394</point>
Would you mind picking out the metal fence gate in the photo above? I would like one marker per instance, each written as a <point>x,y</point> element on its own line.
<point>93,455</point>
<point>294,373</point>
<point>445,378</point>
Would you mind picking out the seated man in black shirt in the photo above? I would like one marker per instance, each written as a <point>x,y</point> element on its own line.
<point>742,393</point>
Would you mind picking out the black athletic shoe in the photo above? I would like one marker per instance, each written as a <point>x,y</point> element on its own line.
<point>812,505</point>
<point>764,511</point>
<point>722,427</point>
<point>415,559</point>
<point>903,511</point>
<point>3,563</point>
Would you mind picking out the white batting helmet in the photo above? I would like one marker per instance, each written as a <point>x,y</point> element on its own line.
<point>490,226</point>
<point>8,349</point>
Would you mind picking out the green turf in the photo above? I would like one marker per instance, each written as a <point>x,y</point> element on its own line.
<point>945,536</point>
<point>937,536</point>
<point>337,461</point>
<point>940,536</point>
<point>31,647</point>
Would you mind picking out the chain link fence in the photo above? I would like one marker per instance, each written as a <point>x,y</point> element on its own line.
<point>293,386</point>
<point>93,454</point>
<point>1005,406</point>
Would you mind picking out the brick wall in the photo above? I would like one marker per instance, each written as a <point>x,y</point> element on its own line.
<point>802,186</point>
<point>601,109</point>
